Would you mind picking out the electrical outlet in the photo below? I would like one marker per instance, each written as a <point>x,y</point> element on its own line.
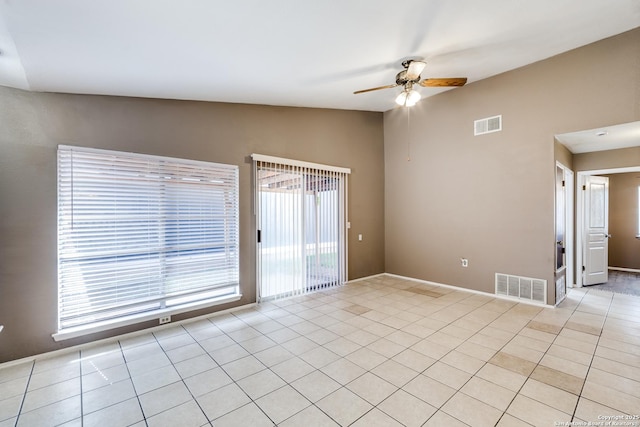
<point>464,262</point>
<point>164,319</point>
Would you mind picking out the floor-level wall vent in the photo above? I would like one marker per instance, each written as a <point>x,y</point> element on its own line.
<point>521,287</point>
<point>488,125</point>
<point>561,288</point>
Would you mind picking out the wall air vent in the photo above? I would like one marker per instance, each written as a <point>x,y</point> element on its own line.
<point>561,289</point>
<point>488,125</point>
<point>523,288</point>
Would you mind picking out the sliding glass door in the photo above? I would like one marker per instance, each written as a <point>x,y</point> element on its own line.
<point>300,217</point>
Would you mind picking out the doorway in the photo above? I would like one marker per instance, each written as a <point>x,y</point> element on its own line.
<point>564,266</point>
<point>591,142</point>
<point>582,237</point>
<point>300,223</point>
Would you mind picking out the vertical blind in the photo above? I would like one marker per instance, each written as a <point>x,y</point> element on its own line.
<point>301,217</point>
<point>139,233</point>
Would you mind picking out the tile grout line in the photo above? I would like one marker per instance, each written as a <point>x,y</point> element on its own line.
<point>373,406</point>
<point>537,364</point>
<point>579,395</point>
<point>341,385</point>
<point>573,415</point>
<point>516,334</point>
<point>221,367</point>
<point>312,404</point>
<point>235,382</point>
<point>593,355</point>
<point>182,380</point>
<point>24,396</point>
<point>124,357</point>
<point>421,372</point>
<point>459,390</point>
<point>81,390</point>
<point>486,363</point>
<point>248,322</point>
<point>440,359</point>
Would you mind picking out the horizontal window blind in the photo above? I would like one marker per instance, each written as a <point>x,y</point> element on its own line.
<point>139,233</point>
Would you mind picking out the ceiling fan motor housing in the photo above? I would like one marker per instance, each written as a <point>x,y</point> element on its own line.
<point>401,77</point>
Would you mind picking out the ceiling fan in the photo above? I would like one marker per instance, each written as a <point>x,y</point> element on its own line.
<point>410,76</point>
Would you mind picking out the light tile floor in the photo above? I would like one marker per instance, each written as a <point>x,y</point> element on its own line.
<point>379,352</point>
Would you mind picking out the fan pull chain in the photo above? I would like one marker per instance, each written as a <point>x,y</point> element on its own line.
<point>408,133</point>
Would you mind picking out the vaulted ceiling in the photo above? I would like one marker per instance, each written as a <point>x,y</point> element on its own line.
<point>285,52</point>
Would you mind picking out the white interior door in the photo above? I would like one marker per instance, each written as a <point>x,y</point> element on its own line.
<point>596,230</point>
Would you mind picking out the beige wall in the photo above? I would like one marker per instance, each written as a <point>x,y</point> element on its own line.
<point>610,159</point>
<point>563,155</point>
<point>624,247</point>
<point>491,198</point>
<point>33,124</point>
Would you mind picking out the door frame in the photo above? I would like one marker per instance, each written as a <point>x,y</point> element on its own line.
<point>580,207</point>
<point>569,186</point>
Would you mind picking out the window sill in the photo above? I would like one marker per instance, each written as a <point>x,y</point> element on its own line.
<point>80,331</point>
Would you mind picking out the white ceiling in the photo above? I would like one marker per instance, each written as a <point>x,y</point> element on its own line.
<point>311,53</point>
<point>605,138</point>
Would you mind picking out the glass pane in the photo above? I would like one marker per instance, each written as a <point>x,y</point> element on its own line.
<point>597,207</point>
<point>281,257</point>
<point>322,231</point>
<point>299,220</point>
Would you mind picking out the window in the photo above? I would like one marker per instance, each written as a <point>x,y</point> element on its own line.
<point>142,236</point>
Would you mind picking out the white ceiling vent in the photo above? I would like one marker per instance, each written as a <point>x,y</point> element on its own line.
<point>488,125</point>
<point>519,287</point>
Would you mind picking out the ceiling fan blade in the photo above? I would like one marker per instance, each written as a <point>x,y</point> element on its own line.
<point>447,82</point>
<point>375,88</point>
<point>414,69</point>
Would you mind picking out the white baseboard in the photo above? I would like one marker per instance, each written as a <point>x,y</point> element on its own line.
<point>473,291</point>
<point>360,279</point>
<point>628,270</point>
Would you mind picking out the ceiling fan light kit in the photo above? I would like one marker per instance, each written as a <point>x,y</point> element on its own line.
<point>410,76</point>
<point>408,98</point>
